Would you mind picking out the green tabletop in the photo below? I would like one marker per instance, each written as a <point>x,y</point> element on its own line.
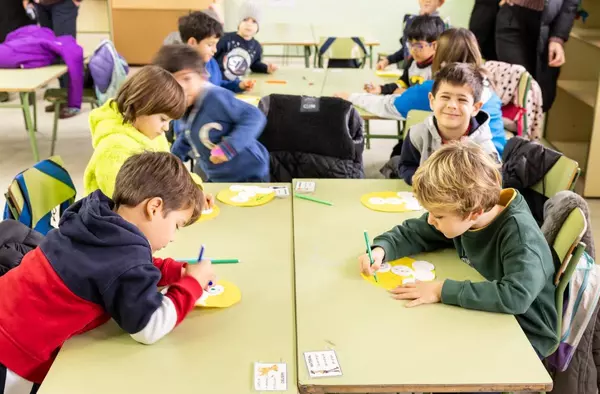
<point>297,81</point>
<point>212,351</point>
<point>382,346</point>
<point>30,79</point>
<point>351,80</point>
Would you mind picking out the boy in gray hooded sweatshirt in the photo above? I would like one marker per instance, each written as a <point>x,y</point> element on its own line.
<point>456,104</point>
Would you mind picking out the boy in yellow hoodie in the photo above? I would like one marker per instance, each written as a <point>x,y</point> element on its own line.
<point>135,121</point>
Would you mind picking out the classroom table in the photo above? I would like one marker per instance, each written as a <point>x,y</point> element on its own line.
<point>352,80</point>
<point>26,82</point>
<point>381,345</point>
<point>347,30</point>
<point>287,34</point>
<point>298,81</point>
<point>211,351</point>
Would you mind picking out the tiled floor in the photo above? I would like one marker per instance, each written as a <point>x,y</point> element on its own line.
<point>74,146</point>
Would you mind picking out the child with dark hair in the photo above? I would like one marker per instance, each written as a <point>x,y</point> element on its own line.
<point>422,35</point>
<point>455,100</point>
<point>203,33</point>
<point>426,7</point>
<point>220,132</point>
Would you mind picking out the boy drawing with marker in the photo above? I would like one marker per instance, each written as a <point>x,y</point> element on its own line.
<point>491,229</point>
<point>98,265</point>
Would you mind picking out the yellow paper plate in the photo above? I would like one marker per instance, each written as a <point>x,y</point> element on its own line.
<point>398,272</point>
<point>389,74</point>
<point>253,100</point>
<point>391,202</point>
<point>221,295</point>
<point>246,196</point>
<point>209,214</point>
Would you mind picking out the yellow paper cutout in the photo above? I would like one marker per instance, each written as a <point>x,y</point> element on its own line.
<point>210,214</point>
<point>222,294</point>
<point>391,202</point>
<point>246,196</point>
<point>252,100</point>
<point>408,270</point>
<point>389,73</point>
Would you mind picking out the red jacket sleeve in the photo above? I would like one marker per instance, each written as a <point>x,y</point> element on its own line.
<point>170,270</point>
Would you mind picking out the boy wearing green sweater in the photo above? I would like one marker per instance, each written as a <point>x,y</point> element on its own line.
<point>491,229</point>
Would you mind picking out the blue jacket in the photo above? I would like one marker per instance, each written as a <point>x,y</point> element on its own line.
<point>215,76</point>
<point>416,97</point>
<point>219,119</point>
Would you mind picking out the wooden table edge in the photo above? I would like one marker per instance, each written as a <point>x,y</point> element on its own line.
<point>424,388</point>
<point>27,90</point>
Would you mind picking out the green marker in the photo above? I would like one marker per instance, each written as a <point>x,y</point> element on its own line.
<point>214,261</point>
<point>369,252</point>
<point>309,198</point>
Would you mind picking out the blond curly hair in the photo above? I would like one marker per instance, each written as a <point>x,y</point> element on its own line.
<point>460,178</point>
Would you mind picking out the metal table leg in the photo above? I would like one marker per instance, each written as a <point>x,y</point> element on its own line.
<point>24,96</point>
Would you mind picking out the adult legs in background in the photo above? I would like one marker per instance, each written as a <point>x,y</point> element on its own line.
<point>64,18</point>
<point>547,78</point>
<point>517,34</point>
<point>61,17</point>
<point>483,24</point>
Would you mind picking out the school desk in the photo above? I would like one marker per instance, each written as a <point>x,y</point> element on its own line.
<point>211,351</point>
<point>347,30</point>
<point>382,346</point>
<point>286,35</point>
<point>353,80</point>
<point>27,82</point>
<point>298,81</point>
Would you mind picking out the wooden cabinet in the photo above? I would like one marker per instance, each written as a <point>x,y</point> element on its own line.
<point>140,26</point>
<point>573,123</point>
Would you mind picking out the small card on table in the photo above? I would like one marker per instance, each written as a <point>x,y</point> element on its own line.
<point>270,377</point>
<point>305,187</point>
<point>322,364</point>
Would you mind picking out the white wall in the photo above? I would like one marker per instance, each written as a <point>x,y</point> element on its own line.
<point>380,19</point>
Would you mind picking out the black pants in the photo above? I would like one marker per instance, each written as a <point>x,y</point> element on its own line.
<point>61,18</point>
<point>483,24</point>
<point>517,36</point>
<point>12,17</point>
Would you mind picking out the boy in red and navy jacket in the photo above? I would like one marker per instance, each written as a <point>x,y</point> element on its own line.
<point>98,265</point>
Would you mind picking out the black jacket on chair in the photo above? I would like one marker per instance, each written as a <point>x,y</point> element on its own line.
<point>312,137</point>
<point>16,240</point>
<point>524,164</point>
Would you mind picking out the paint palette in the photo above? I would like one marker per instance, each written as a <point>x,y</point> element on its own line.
<point>391,202</point>
<point>400,272</point>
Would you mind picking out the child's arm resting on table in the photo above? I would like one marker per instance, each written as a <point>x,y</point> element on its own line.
<point>524,278</point>
<point>411,237</point>
<point>134,302</point>
<point>382,106</point>
<point>249,123</point>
